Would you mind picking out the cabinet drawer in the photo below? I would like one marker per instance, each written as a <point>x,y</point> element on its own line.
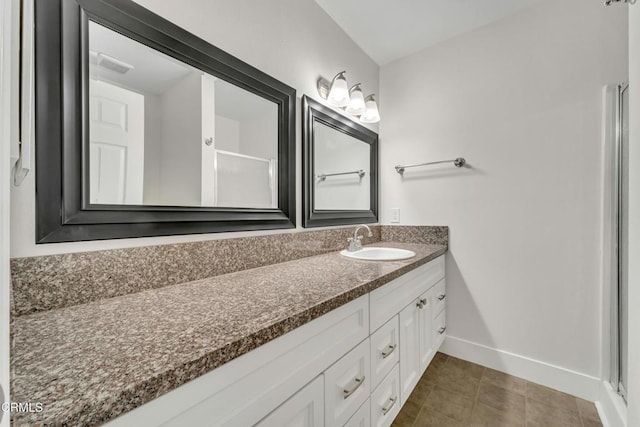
<point>439,329</point>
<point>439,296</point>
<point>385,350</point>
<point>385,400</point>
<point>362,417</point>
<point>303,409</point>
<point>390,299</point>
<point>347,385</point>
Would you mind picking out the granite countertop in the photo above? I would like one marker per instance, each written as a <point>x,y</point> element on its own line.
<point>89,363</point>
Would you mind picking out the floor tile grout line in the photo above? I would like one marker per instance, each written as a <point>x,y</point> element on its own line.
<point>526,416</point>
<point>579,413</point>
<point>475,401</point>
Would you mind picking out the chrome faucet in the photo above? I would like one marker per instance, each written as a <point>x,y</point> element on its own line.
<point>355,242</point>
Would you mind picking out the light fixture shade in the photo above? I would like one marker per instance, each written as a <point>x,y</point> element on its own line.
<point>339,91</point>
<point>371,114</point>
<point>356,106</point>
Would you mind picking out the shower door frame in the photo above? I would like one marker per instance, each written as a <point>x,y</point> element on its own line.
<point>616,238</point>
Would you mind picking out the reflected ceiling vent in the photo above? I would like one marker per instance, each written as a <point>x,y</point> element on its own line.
<point>110,63</point>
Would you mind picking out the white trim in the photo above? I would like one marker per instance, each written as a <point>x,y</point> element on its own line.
<point>8,140</point>
<point>556,377</point>
<point>8,135</point>
<point>611,407</point>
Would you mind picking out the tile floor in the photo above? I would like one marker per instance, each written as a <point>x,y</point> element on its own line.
<point>453,392</point>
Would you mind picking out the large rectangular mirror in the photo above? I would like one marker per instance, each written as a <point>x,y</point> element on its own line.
<point>157,132</point>
<point>340,168</point>
<point>164,133</point>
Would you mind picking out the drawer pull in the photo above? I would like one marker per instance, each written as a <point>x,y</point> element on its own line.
<point>441,330</point>
<point>392,402</point>
<point>349,391</point>
<point>387,352</point>
<point>421,302</point>
<point>441,297</point>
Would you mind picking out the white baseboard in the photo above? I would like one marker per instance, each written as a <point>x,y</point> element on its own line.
<point>611,407</point>
<point>558,378</point>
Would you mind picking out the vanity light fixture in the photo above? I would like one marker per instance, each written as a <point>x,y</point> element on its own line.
<point>356,105</point>
<point>371,115</point>
<point>352,101</point>
<point>339,91</point>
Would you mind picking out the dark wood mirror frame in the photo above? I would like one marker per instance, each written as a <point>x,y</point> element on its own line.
<point>63,211</point>
<point>312,112</point>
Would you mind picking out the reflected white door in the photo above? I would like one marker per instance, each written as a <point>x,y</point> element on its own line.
<point>116,144</point>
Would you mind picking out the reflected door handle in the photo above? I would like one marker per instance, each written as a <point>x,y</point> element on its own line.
<point>208,141</point>
<point>441,330</point>
<point>441,297</point>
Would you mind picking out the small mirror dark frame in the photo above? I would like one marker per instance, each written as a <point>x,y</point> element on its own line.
<point>314,112</point>
<point>64,213</point>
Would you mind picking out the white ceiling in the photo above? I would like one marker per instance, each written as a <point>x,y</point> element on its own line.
<point>388,30</point>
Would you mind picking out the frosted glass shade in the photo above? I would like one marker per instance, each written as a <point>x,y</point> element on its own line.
<point>371,114</point>
<point>356,105</point>
<point>339,91</point>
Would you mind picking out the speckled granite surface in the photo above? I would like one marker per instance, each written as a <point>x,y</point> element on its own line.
<point>56,281</point>
<point>48,282</point>
<point>90,363</point>
<point>431,235</point>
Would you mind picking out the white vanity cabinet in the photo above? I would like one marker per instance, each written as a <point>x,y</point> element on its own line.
<point>354,366</point>
<point>303,409</point>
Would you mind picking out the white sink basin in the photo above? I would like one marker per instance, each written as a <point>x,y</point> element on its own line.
<point>379,254</point>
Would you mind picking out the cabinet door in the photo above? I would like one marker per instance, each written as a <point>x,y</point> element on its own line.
<point>409,349</point>
<point>425,315</point>
<point>303,409</point>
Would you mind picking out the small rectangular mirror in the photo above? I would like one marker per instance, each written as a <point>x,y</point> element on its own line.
<point>340,168</point>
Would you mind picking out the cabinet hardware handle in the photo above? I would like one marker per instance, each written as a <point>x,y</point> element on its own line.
<point>441,330</point>
<point>387,352</point>
<point>349,391</point>
<point>421,302</point>
<point>392,402</point>
<point>441,297</point>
